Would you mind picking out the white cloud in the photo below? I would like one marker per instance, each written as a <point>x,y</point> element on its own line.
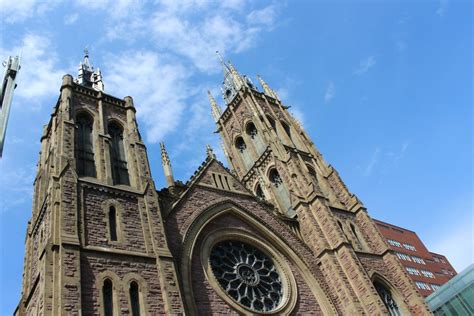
<point>265,16</point>
<point>330,92</point>
<point>39,75</point>
<point>159,89</point>
<point>12,11</point>
<point>71,18</point>
<point>365,65</point>
<point>443,5</point>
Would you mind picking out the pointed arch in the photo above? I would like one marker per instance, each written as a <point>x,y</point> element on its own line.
<point>280,190</point>
<point>272,239</point>
<point>108,285</point>
<point>117,154</point>
<point>390,296</point>
<point>256,137</point>
<point>244,152</point>
<point>84,145</point>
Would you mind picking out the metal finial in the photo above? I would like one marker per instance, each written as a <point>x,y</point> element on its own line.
<point>220,57</point>
<point>86,52</point>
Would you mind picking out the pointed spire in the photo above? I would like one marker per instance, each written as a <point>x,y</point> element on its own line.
<point>216,110</point>
<point>86,62</point>
<point>87,76</point>
<point>209,152</point>
<point>166,163</point>
<point>266,88</point>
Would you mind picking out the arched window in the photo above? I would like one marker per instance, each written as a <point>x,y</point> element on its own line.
<point>340,226</point>
<point>259,192</point>
<point>312,174</point>
<point>252,131</point>
<point>286,128</point>
<point>117,155</point>
<point>108,294</point>
<point>355,234</point>
<point>272,122</point>
<point>113,223</point>
<point>387,299</point>
<point>281,192</point>
<point>84,147</point>
<point>134,299</point>
<point>242,147</point>
<point>275,178</point>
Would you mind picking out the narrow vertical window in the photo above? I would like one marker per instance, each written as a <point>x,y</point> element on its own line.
<point>355,233</point>
<point>387,299</point>
<point>272,122</point>
<point>287,131</point>
<point>134,299</point>
<point>312,174</point>
<point>113,223</point>
<point>117,155</point>
<point>259,192</point>
<point>281,192</point>
<point>242,147</point>
<point>252,131</point>
<point>107,292</point>
<point>84,148</point>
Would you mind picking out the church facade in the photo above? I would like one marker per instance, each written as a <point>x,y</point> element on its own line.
<point>280,234</point>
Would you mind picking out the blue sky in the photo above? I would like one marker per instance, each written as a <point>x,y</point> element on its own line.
<point>383,88</point>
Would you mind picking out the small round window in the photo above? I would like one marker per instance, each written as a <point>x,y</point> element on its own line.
<point>247,275</point>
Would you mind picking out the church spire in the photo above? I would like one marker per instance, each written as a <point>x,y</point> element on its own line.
<point>232,80</point>
<point>166,163</point>
<point>266,88</point>
<point>87,76</point>
<point>216,110</point>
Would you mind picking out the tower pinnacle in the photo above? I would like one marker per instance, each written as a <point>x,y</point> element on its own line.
<point>165,161</point>
<point>210,152</point>
<point>266,88</point>
<point>216,110</point>
<point>87,76</point>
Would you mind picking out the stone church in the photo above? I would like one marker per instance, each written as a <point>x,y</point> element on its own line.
<point>277,234</point>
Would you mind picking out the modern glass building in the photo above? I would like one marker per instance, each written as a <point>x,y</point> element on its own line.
<point>456,297</point>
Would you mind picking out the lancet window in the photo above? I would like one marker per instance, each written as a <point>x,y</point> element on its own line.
<point>84,147</point>
<point>134,298</point>
<point>108,297</point>
<point>117,155</point>
<point>242,148</point>
<point>256,137</point>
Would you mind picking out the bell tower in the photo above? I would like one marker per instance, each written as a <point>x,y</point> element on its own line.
<point>95,244</point>
<point>273,157</point>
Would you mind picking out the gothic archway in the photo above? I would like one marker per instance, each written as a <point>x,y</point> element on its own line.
<point>273,246</point>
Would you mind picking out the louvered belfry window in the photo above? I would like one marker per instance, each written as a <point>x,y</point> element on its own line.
<point>85,165</point>
<point>117,155</point>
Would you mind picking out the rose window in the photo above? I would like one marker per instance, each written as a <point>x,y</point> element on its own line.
<point>247,275</point>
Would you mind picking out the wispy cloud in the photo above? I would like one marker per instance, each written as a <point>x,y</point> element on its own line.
<point>160,103</point>
<point>443,5</point>
<point>13,11</point>
<point>330,92</point>
<point>386,159</point>
<point>71,18</point>
<point>365,65</point>
<point>374,159</point>
<point>39,67</point>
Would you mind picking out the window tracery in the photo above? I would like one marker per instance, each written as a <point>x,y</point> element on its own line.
<point>117,154</point>
<point>247,275</point>
<point>387,299</point>
<point>84,147</point>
